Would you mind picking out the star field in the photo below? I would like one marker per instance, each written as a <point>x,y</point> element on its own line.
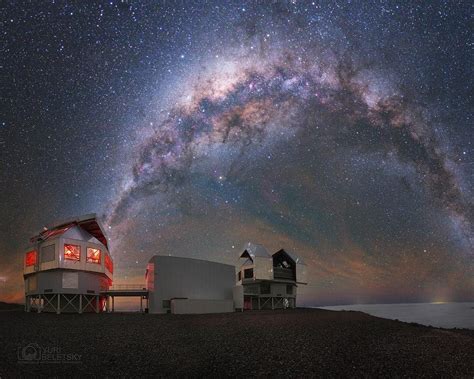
<point>341,131</point>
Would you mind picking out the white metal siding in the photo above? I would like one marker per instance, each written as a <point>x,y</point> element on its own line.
<point>263,268</point>
<point>239,297</point>
<point>176,277</point>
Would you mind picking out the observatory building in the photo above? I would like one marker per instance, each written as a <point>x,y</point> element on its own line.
<point>67,267</point>
<point>186,285</point>
<point>267,281</point>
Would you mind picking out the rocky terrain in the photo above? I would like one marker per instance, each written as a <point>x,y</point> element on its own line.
<point>296,343</point>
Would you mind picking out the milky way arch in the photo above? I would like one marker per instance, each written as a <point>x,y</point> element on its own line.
<point>276,97</point>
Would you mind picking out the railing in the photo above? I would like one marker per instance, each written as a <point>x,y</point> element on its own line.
<point>128,287</point>
<point>283,273</point>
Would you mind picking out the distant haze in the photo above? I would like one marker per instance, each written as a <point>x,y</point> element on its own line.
<point>443,315</point>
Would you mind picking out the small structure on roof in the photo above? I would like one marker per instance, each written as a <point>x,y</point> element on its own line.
<point>267,281</point>
<point>67,267</point>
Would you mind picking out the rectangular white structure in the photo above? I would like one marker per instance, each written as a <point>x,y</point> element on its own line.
<point>187,285</point>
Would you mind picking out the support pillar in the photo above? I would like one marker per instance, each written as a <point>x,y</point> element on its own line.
<point>259,303</point>
<point>58,310</point>
<point>141,304</point>
<point>97,304</point>
<point>39,304</point>
<point>272,304</point>
<point>113,304</point>
<point>80,303</point>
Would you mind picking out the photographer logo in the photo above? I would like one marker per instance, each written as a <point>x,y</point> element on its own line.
<point>36,354</point>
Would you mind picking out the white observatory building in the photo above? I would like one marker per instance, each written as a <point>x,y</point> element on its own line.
<point>187,285</point>
<point>267,281</point>
<point>67,267</point>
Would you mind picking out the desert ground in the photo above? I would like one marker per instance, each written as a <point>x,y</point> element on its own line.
<point>295,343</point>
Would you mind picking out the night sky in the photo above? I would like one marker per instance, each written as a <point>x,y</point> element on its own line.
<point>340,131</point>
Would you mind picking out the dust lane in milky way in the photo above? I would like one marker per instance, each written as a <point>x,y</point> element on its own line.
<point>287,98</point>
<point>227,122</point>
<point>342,132</point>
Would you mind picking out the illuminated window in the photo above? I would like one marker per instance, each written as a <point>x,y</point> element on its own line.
<point>72,252</point>
<point>30,258</point>
<point>93,255</point>
<point>108,264</point>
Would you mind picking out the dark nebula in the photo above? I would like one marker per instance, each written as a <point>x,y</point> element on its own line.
<point>342,132</point>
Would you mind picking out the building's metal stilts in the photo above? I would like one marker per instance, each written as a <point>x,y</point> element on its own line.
<point>66,303</point>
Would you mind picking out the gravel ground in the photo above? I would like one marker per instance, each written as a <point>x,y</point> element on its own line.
<point>301,342</point>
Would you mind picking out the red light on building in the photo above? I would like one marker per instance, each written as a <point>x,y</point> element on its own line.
<point>93,255</point>
<point>30,258</point>
<point>108,264</point>
<point>72,252</point>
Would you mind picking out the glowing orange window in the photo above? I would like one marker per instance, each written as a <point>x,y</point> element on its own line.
<point>30,258</point>
<point>108,264</point>
<point>93,255</point>
<point>72,252</point>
